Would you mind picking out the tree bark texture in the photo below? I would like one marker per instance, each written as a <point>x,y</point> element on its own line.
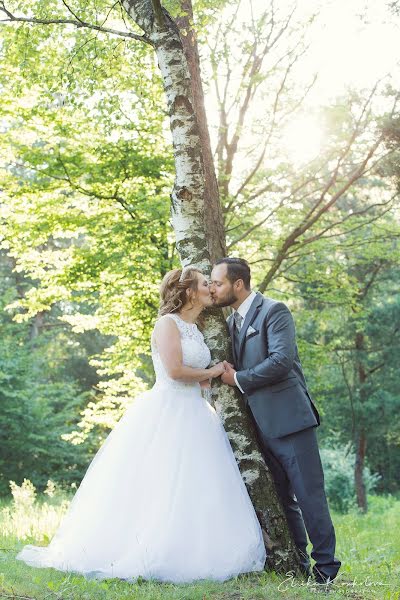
<point>214,222</point>
<point>361,448</point>
<point>361,439</point>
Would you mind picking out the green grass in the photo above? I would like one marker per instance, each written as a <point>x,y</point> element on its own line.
<point>368,545</point>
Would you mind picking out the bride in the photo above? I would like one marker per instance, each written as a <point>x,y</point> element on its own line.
<point>163,498</point>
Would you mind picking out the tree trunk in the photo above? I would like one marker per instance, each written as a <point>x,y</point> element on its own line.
<point>358,471</point>
<point>37,325</point>
<point>361,440</point>
<point>191,211</point>
<point>214,222</point>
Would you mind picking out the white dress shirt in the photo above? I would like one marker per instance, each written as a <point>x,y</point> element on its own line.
<point>243,309</point>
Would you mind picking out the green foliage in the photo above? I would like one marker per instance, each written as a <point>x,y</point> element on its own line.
<point>350,354</point>
<point>87,173</point>
<point>391,131</point>
<point>48,509</point>
<point>35,413</point>
<point>45,381</point>
<point>338,463</point>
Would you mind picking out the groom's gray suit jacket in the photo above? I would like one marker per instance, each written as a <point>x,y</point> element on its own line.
<point>269,370</point>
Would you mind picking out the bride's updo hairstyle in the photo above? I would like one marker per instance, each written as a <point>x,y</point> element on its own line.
<point>173,289</point>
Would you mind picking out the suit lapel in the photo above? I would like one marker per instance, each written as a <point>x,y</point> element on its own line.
<point>251,314</point>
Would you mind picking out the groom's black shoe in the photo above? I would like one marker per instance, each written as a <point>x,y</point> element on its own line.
<point>305,572</point>
<point>321,579</point>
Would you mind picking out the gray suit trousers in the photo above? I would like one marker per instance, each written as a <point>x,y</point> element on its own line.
<point>295,464</point>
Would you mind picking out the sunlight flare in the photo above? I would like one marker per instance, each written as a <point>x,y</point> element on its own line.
<point>302,139</point>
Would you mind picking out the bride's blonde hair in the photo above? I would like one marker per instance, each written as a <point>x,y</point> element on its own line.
<point>173,289</point>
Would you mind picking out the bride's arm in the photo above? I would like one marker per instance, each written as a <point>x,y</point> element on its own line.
<point>168,342</point>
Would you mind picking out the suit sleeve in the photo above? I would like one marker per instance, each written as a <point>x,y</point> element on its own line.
<point>280,332</point>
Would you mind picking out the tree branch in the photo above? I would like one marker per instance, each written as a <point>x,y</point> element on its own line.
<point>358,213</point>
<point>341,158</point>
<point>76,22</point>
<point>158,13</point>
<point>306,224</point>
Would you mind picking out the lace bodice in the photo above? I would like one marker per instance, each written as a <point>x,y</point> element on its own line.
<point>195,353</point>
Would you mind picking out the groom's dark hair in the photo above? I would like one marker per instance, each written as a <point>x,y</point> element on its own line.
<point>237,268</point>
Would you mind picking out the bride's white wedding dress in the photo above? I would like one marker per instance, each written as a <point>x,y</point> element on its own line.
<point>163,498</point>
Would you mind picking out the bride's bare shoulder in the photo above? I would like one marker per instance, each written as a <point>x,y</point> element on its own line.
<point>165,323</point>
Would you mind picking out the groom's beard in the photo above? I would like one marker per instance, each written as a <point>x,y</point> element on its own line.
<point>227,301</point>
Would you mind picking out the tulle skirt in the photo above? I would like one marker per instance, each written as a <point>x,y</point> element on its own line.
<point>162,499</point>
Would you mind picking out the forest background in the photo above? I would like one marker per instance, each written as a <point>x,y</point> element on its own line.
<point>302,109</point>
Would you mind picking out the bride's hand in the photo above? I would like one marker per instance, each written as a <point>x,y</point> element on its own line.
<point>229,365</point>
<point>217,369</point>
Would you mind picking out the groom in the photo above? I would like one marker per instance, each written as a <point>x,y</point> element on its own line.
<point>269,374</point>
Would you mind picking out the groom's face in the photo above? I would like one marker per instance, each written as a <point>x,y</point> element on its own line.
<point>221,289</point>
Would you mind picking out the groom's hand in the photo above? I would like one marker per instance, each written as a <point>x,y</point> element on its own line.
<point>206,384</point>
<point>228,376</point>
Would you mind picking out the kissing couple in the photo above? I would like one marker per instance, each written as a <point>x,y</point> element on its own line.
<point>163,498</point>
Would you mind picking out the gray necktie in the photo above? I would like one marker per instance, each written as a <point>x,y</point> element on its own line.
<point>238,320</point>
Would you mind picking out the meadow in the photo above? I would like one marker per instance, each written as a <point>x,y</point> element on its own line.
<point>368,545</point>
